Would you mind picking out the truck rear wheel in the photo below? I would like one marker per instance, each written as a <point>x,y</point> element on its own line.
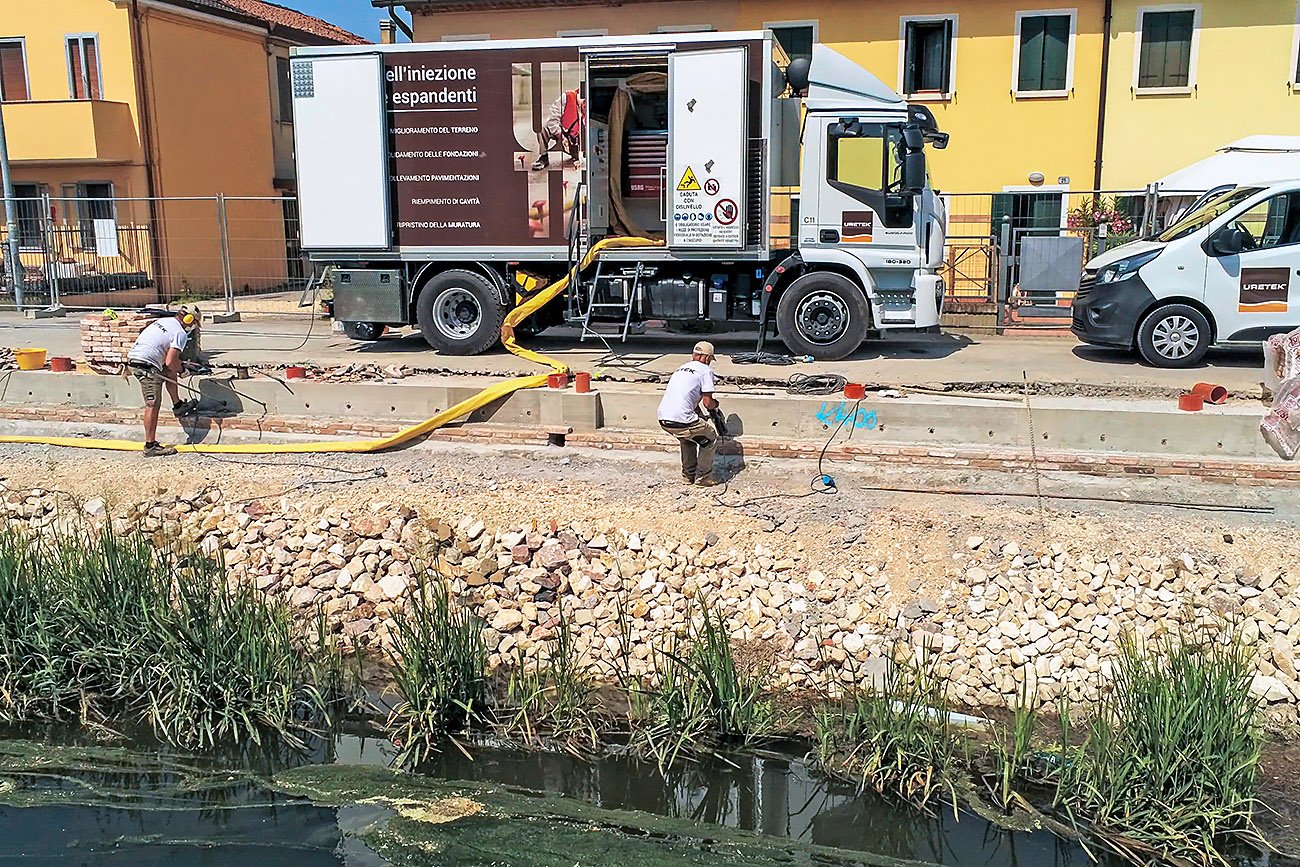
<point>460,313</point>
<point>824,315</point>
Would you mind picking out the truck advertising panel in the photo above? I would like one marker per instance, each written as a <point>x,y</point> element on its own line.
<point>485,144</point>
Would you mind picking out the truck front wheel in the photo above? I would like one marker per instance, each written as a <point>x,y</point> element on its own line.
<point>824,315</point>
<point>460,313</point>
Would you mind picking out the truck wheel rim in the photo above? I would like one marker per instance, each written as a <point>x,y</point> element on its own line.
<point>1175,336</point>
<point>822,317</point>
<point>456,314</point>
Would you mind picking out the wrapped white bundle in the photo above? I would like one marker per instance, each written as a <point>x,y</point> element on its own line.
<point>1281,426</point>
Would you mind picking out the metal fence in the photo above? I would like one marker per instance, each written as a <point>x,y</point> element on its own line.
<point>97,252</point>
<point>1013,257</point>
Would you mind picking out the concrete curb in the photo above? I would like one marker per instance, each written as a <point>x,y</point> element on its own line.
<point>1099,427</point>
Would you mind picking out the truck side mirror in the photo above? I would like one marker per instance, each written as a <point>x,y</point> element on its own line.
<point>912,153</point>
<point>1229,241</point>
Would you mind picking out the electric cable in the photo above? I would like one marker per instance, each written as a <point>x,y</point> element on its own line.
<point>815,383</point>
<point>774,358</point>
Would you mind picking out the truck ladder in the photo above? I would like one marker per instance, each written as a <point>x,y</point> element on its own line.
<point>624,300</point>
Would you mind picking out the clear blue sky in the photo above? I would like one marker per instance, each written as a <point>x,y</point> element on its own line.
<point>355,15</point>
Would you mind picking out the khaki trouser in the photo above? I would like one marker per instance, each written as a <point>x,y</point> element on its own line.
<point>699,444</point>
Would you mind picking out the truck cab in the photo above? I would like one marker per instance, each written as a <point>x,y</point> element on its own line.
<point>1228,272</point>
<point>441,185</point>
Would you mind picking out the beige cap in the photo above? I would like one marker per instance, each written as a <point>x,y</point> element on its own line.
<point>704,347</point>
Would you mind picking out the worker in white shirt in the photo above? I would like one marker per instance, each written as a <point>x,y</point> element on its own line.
<point>563,128</point>
<point>691,386</point>
<point>155,360</point>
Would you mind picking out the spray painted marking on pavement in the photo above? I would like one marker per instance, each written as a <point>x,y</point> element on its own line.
<point>841,413</point>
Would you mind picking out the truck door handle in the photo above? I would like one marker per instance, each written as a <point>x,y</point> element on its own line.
<point>829,236</point>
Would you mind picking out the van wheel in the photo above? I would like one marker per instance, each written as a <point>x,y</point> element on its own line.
<point>824,315</point>
<point>363,330</point>
<point>460,313</point>
<point>1175,335</point>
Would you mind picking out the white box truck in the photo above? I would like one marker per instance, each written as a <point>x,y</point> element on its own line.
<point>441,184</point>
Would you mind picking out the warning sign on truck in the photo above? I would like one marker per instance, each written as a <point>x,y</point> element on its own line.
<point>707,150</point>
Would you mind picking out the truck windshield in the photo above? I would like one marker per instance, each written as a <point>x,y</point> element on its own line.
<point>1207,213</point>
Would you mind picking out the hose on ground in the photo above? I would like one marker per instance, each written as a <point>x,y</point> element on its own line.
<point>465,407</point>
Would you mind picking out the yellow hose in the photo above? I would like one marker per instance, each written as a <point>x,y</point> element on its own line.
<point>465,407</point>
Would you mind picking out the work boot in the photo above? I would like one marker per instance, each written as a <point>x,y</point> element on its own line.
<point>186,407</point>
<point>708,481</point>
<point>541,162</point>
<point>690,480</point>
<point>157,450</point>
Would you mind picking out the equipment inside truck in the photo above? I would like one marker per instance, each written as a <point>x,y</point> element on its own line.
<point>628,146</point>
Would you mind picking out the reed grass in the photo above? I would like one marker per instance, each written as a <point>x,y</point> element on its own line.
<point>1011,748</point>
<point>893,736</point>
<point>96,628</point>
<point>700,699</point>
<point>439,668</point>
<point>1168,769</point>
<point>555,701</point>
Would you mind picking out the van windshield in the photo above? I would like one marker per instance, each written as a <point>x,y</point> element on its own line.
<point>1207,213</point>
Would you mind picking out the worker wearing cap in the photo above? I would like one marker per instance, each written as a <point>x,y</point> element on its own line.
<point>691,385</point>
<point>155,360</point>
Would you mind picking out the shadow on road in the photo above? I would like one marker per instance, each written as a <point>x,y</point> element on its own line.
<point>1234,357</point>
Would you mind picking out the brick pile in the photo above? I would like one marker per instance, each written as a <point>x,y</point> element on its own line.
<point>105,341</point>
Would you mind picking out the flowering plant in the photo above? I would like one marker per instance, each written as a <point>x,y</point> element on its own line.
<point>1101,211</point>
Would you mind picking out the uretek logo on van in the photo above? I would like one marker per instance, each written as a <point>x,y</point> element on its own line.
<point>1264,290</point>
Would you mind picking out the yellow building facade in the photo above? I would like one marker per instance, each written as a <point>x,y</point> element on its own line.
<point>118,110</point>
<point>1019,85</point>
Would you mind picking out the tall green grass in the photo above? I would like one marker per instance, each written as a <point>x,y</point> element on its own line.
<point>893,736</point>
<point>555,701</point>
<point>102,628</point>
<point>1168,769</point>
<point>439,667</point>
<point>700,698</point>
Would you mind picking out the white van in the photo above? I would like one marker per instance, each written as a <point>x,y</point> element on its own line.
<point>1227,272</point>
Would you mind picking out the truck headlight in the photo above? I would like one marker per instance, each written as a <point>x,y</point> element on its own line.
<point>1125,267</point>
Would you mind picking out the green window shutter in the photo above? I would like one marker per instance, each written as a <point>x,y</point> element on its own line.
<point>1001,208</point>
<point>1166,54</point>
<point>1178,49</point>
<point>1056,51</point>
<point>946,83</point>
<point>1031,54</point>
<point>1151,63</point>
<point>911,59</point>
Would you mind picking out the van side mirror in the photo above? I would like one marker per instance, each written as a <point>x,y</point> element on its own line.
<point>1228,241</point>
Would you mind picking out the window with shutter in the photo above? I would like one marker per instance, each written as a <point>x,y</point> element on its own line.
<point>795,39</point>
<point>1165,55</point>
<point>83,68</point>
<point>927,56</point>
<point>1044,61</point>
<point>13,71</point>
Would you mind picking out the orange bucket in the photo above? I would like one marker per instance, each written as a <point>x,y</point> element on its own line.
<point>60,364</point>
<point>557,380</point>
<point>854,391</point>
<point>582,382</point>
<point>1190,402</point>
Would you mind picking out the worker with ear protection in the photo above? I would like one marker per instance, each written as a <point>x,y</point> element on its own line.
<point>691,386</point>
<point>155,360</point>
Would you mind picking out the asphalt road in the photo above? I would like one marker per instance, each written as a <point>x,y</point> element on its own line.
<point>949,358</point>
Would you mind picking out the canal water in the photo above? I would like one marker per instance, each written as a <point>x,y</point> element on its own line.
<point>76,803</point>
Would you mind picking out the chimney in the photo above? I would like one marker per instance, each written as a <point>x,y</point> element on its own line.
<point>387,32</point>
